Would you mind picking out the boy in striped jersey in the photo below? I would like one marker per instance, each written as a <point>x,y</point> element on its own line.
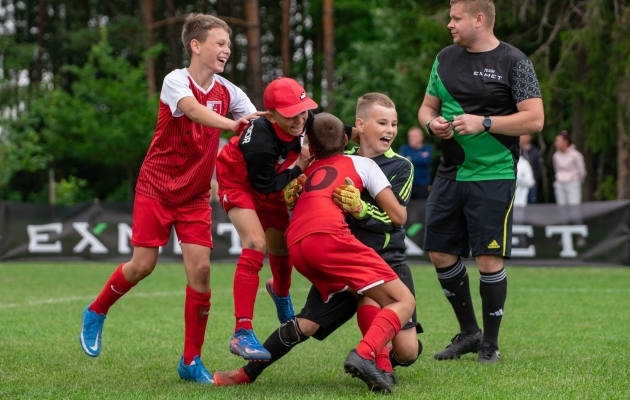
<point>173,186</point>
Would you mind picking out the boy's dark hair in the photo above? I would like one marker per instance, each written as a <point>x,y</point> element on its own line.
<point>197,26</point>
<point>326,137</point>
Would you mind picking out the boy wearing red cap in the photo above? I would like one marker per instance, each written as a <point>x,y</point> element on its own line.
<point>252,170</point>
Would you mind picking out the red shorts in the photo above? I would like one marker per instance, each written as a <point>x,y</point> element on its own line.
<point>334,263</point>
<point>152,223</point>
<point>271,210</point>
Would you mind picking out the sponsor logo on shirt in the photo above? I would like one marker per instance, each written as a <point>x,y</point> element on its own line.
<point>248,134</point>
<point>488,73</point>
<point>214,106</point>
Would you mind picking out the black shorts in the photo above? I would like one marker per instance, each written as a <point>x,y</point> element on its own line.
<point>342,306</point>
<point>470,217</point>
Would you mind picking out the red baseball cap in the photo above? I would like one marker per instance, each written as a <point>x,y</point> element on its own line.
<point>288,97</point>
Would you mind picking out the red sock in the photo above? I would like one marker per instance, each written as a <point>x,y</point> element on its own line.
<point>383,361</point>
<point>113,290</point>
<point>365,316</point>
<point>383,329</point>
<point>245,287</point>
<point>196,309</point>
<point>281,269</point>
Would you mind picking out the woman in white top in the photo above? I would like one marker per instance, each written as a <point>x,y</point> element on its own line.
<point>568,163</point>
<point>524,181</point>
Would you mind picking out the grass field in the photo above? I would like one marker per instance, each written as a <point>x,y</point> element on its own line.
<point>564,336</point>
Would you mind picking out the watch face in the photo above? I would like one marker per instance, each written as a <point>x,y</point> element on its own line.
<point>487,123</point>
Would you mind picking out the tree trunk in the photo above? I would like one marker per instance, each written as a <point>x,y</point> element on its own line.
<point>147,15</point>
<point>578,136</point>
<point>41,19</point>
<point>623,142</point>
<point>174,41</point>
<point>286,38</point>
<point>254,55</point>
<point>329,48</point>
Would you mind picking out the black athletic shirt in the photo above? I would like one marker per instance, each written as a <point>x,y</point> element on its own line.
<point>376,229</point>
<point>487,83</point>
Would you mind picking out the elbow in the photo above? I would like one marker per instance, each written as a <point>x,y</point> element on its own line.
<point>538,124</point>
<point>400,218</point>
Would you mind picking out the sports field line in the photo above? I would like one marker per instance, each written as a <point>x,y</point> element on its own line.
<point>72,299</point>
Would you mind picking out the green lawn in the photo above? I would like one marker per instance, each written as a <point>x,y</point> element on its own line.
<point>564,336</point>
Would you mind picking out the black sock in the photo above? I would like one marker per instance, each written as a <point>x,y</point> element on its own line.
<point>493,290</point>
<point>454,281</point>
<point>277,348</point>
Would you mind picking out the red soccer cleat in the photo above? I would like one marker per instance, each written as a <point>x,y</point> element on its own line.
<point>230,378</point>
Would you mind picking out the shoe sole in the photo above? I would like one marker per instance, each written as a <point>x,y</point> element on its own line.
<point>356,372</point>
<point>246,358</point>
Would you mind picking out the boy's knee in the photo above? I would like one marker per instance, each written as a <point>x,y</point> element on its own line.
<point>255,243</point>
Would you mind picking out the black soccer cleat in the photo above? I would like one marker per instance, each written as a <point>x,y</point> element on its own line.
<point>462,343</point>
<point>367,371</point>
<point>390,377</point>
<point>488,354</point>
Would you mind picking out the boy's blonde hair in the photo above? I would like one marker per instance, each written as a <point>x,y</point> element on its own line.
<point>327,136</point>
<point>474,7</point>
<point>197,26</point>
<point>368,100</point>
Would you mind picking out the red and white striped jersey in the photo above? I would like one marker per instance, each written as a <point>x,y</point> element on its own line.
<point>179,164</point>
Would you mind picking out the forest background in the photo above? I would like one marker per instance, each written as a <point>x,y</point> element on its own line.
<point>80,80</point>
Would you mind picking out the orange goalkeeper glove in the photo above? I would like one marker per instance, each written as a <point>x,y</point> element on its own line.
<point>292,191</point>
<point>348,197</point>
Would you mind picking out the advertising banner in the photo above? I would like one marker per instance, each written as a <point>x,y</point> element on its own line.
<point>543,234</point>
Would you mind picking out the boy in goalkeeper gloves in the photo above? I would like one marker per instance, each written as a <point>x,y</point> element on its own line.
<point>319,243</point>
<point>252,170</point>
<point>377,123</point>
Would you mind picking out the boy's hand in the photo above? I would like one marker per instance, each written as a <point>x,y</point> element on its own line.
<point>292,191</point>
<point>242,122</point>
<point>348,197</point>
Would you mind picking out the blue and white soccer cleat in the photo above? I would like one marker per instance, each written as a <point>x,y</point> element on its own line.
<point>91,332</point>
<point>195,372</point>
<point>244,343</point>
<point>284,306</point>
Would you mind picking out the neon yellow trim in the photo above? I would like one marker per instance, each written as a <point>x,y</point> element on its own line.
<point>505,221</point>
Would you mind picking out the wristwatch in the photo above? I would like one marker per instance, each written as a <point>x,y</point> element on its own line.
<point>429,131</point>
<point>487,123</point>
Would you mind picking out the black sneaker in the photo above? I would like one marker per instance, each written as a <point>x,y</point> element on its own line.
<point>390,377</point>
<point>461,344</point>
<point>367,371</point>
<point>488,354</point>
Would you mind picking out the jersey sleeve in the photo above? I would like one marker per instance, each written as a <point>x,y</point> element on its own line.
<point>524,81</point>
<point>240,104</point>
<point>377,220</point>
<point>374,180</point>
<point>432,87</point>
<point>175,87</point>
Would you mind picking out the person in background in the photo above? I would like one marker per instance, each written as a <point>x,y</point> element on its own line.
<point>532,155</point>
<point>420,155</point>
<point>524,182</point>
<point>568,163</point>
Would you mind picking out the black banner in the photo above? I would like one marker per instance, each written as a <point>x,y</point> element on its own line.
<point>545,234</point>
